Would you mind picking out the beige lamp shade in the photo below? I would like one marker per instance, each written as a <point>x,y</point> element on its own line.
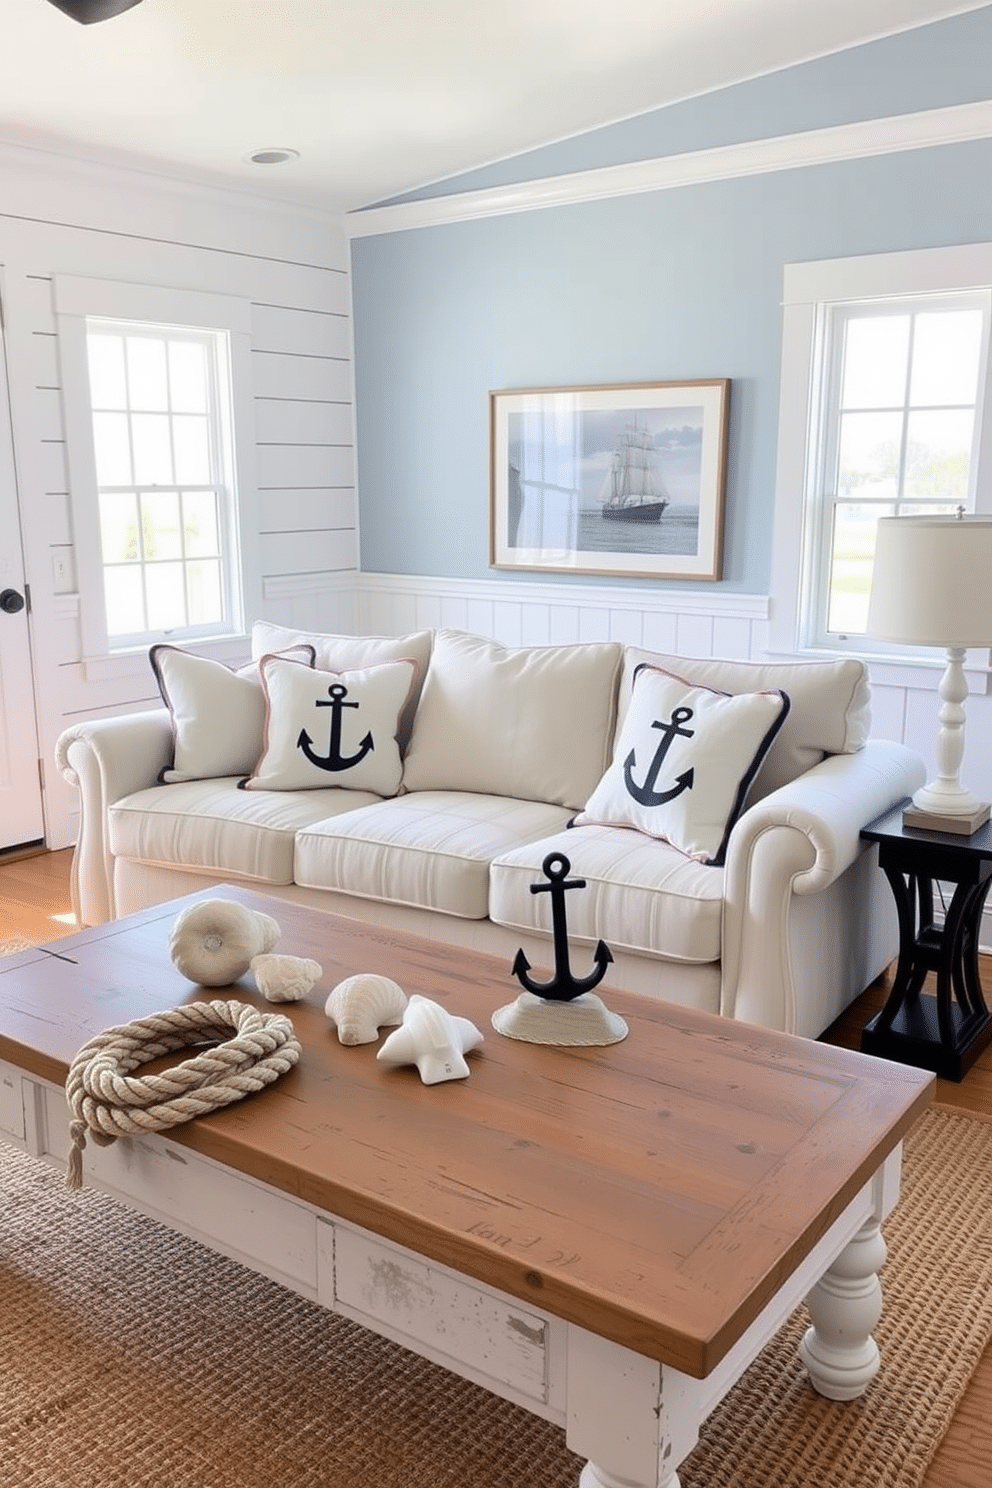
<point>932,581</point>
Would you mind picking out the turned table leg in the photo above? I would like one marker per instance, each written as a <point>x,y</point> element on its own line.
<point>839,1352</point>
<point>592,1476</point>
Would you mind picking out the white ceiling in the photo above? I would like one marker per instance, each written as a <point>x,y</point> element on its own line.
<point>380,96</point>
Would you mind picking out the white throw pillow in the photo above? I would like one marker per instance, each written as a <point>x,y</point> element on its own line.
<point>218,715</point>
<point>346,653</point>
<point>829,705</point>
<point>683,762</point>
<point>534,723</point>
<point>327,728</point>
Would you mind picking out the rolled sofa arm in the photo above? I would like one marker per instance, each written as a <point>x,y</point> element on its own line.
<point>786,965</point>
<point>107,759</point>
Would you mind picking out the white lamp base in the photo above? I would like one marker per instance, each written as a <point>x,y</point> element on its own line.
<point>943,818</point>
<point>944,804</point>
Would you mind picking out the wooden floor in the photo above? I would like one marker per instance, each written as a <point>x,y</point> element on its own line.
<point>35,904</point>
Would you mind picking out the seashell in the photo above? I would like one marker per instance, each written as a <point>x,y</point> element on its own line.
<point>285,978</point>
<point>213,942</point>
<point>361,1005</point>
<point>433,1039</point>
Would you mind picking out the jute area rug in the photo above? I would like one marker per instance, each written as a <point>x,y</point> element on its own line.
<point>134,1358</point>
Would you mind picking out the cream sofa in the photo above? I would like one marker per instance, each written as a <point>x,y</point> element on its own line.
<point>501,750</point>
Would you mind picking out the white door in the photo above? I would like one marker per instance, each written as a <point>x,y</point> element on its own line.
<point>21,819</point>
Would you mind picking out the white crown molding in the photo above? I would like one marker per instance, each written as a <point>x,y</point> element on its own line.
<point>593,596</point>
<point>945,126</point>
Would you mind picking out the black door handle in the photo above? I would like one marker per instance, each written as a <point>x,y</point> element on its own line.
<point>11,602</point>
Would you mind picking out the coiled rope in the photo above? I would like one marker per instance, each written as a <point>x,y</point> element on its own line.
<point>107,1102</point>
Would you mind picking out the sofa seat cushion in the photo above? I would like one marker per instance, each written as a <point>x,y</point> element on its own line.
<point>431,849</point>
<point>641,895</point>
<point>211,826</point>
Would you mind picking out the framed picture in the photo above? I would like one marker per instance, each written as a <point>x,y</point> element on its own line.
<point>610,480</point>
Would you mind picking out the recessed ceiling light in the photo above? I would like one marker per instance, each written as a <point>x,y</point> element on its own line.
<point>272,157</point>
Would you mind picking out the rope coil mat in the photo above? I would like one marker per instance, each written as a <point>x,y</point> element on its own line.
<point>107,1101</point>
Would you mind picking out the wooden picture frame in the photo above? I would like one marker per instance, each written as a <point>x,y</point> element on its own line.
<point>624,480</point>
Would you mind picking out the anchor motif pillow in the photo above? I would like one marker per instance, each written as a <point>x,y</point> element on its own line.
<point>325,729</point>
<point>683,762</point>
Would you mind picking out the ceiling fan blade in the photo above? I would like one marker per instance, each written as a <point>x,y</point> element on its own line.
<point>88,11</point>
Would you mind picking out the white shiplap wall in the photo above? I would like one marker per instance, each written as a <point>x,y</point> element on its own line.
<point>66,218</point>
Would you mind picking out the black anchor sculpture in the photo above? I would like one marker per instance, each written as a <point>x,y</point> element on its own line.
<point>334,760</point>
<point>563,985</point>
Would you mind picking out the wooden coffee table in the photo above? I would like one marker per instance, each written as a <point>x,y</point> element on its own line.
<point>605,1236</point>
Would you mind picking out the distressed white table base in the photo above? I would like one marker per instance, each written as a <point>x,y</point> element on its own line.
<point>634,1419</point>
<point>838,1351</point>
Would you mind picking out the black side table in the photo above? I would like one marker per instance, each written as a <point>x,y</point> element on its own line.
<point>947,1032</point>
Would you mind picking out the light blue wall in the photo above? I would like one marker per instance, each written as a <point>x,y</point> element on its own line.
<point>664,286</point>
<point>926,68</point>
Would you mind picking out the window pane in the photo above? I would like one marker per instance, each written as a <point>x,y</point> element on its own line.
<point>162,446</point>
<point>188,376</point>
<point>205,600</point>
<point>853,558</point>
<point>147,383</point>
<point>876,352</point>
<point>112,449</point>
<point>200,524</point>
<point>160,524</point>
<point>119,528</point>
<point>152,449</point>
<point>851,565</point>
<point>938,454</point>
<point>122,592</point>
<point>868,454</point>
<point>166,596</point>
<point>192,450</point>
<point>105,355</point>
<point>946,347</point>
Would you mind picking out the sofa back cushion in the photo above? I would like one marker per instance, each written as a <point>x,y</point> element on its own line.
<point>346,653</point>
<point>829,713</point>
<point>535,723</point>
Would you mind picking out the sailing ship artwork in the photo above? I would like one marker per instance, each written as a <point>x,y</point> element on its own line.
<point>634,490</point>
<point>622,480</point>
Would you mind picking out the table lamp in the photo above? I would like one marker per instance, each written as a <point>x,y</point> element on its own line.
<point>932,586</point>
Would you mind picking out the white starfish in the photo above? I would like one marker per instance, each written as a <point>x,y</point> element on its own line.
<point>433,1039</point>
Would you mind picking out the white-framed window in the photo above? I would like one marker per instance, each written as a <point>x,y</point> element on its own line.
<point>162,444</point>
<point>153,380</point>
<point>885,410</point>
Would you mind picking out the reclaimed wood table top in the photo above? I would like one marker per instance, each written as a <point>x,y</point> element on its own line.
<point>657,1191</point>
